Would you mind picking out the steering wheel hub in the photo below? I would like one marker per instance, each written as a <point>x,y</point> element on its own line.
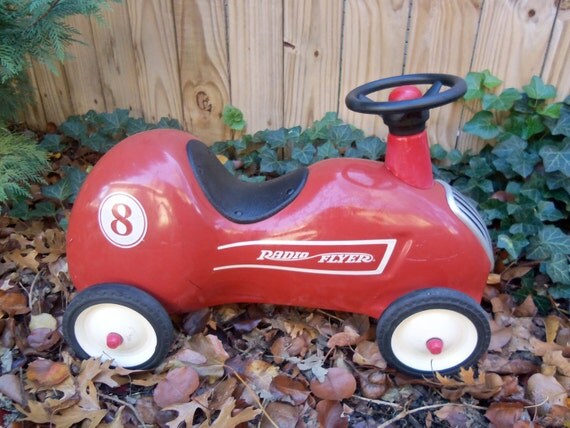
<point>407,110</point>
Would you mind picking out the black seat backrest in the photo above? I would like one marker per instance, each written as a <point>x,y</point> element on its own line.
<point>237,200</point>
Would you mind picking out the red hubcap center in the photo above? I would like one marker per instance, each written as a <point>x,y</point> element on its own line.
<point>434,346</point>
<point>114,340</point>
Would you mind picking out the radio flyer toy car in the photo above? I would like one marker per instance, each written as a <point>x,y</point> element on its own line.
<point>161,226</point>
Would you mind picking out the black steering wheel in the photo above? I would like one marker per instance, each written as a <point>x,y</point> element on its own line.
<point>407,117</point>
<point>357,99</point>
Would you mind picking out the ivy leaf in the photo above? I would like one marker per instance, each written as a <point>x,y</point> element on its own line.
<point>560,292</point>
<point>538,90</point>
<point>547,211</point>
<point>98,143</point>
<point>482,125</point>
<point>490,81</point>
<point>551,110</point>
<point>550,241</point>
<point>562,126</point>
<point>513,245</point>
<point>533,125</point>
<point>269,162</point>
<point>304,154</point>
<point>320,128</point>
<point>501,102</point>
<point>74,128</point>
<point>233,118</point>
<point>327,150</point>
<point>341,135</point>
<point>474,81</point>
<point>523,163</point>
<point>479,168</point>
<point>67,187</point>
<point>372,147</point>
<point>276,139</point>
<point>437,152</point>
<point>51,143</point>
<point>508,145</point>
<point>558,269</point>
<point>556,159</point>
<point>455,156</point>
<point>114,121</point>
<point>60,190</point>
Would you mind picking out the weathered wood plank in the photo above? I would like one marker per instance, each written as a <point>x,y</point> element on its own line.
<point>312,41</point>
<point>255,34</point>
<point>34,114</point>
<point>557,65</point>
<point>441,40</point>
<point>512,43</point>
<point>116,58</point>
<point>82,69</point>
<point>54,92</point>
<point>154,43</point>
<point>374,37</point>
<point>204,69</point>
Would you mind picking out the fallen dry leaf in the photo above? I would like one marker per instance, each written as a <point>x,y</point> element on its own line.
<point>546,391</point>
<point>47,373</point>
<point>13,303</point>
<point>330,414</point>
<point>260,374</point>
<point>185,413</point>
<point>226,420</point>
<point>36,413</point>
<point>279,414</point>
<point>347,337</point>
<point>213,350</point>
<point>368,354</point>
<point>551,325</point>
<point>176,387</point>
<point>504,415</point>
<point>338,384</point>
<point>11,387</point>
<point>288,390</point>
<point>556,358</point>
<point>373,384</point>
<point>454,415</point>
<point>526,309</point>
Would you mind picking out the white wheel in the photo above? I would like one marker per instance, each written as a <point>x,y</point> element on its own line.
<point>433,330</point>
<point>452,336</point>
<point>100,328</point>
<point>118,323</point>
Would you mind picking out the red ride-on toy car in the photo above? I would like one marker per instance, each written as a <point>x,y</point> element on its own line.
<point>161,226</point>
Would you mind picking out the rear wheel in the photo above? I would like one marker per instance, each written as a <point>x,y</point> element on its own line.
<point>433,330</point>
<point>119,323</point>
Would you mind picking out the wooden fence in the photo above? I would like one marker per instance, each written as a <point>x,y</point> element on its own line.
<point>287,62</point>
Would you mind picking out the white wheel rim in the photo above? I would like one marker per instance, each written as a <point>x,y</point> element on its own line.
<point>456,331</point>
<point>94,324</point>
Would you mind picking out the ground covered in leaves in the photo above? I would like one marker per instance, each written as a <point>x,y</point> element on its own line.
<point>262,365</point>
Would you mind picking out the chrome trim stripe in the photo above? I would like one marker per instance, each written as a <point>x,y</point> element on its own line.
<point>468,214</point>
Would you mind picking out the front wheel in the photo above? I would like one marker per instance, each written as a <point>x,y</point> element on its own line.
<point>119,323</point>
<point>433,330</point>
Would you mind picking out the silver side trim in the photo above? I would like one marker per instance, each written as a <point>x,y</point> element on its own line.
<point>466,211</point>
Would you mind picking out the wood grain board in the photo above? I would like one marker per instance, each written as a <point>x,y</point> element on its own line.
<point>312,52</point>
<point>288,62</point>
<point>255,43</point>
<point>374,42</point>
<point>204,68</point>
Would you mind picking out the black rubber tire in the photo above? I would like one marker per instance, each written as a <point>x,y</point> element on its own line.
<point>129,297</point>
<point>424,300</point>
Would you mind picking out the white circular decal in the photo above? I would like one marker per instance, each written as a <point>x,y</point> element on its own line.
<point>122,220</point>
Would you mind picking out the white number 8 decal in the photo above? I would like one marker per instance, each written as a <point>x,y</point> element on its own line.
<point>122,220</point>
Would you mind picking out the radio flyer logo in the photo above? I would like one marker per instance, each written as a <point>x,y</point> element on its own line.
<point>356,257</point>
